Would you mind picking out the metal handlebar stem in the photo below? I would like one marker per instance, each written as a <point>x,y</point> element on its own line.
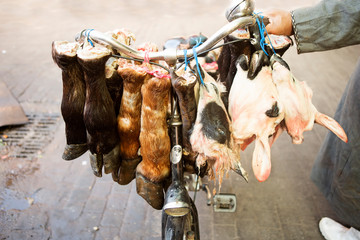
<point>170,56</point>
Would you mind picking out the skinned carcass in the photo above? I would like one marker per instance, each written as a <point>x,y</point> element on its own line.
<point>73,99</point>
<point>211,135</point>
<point>255,110</point>
<point>300,113</point>
<point>99,113</point>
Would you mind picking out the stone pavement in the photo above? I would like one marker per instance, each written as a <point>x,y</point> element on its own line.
<point>45,197</point>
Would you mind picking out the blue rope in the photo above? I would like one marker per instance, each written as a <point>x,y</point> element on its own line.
<point>262,30</point>
<point>198,42</point>
<point>88,37</point>
<point>186,61</point>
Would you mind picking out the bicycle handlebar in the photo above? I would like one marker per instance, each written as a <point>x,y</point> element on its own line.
<point>169,55</point>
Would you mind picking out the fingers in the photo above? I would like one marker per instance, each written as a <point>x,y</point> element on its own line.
<point>280,22</point>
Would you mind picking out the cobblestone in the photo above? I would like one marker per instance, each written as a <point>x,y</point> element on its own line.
<point>71,203</point>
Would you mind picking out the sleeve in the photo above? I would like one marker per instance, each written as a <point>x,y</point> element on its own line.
<point>328,25</point>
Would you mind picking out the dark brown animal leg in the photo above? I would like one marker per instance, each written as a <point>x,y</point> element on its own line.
<point>99,113</point>
<point>73,99</point>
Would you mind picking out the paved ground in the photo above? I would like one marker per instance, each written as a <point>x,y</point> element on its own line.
<point>44,197</point>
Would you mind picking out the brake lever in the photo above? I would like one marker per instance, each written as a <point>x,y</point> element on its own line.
<point>239,8</point>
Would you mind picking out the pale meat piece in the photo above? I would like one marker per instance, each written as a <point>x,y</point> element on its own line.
<point>300,113</point>
<point>255,111</point>
<point>211,134</point>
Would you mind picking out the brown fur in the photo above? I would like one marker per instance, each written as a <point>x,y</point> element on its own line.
<point>154,138</point>
<point>99,113</point>
<point>73,99</point>
<point>130,112</point>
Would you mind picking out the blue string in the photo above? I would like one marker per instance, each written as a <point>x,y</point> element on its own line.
<point>186,61</point>
<point>198,42</point>
<point>88,37</point>
<point>262,30</point>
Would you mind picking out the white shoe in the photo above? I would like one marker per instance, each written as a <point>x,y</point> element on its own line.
<point>332,230</point>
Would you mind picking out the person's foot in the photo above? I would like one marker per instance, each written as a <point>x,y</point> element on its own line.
<point>332,230</point>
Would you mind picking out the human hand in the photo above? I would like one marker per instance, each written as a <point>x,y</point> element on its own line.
<point>280,22</point>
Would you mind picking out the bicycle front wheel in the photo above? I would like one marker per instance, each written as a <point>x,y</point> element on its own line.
<point>181,228</point>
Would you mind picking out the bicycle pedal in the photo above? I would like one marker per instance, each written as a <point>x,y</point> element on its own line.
<point>225,202</point>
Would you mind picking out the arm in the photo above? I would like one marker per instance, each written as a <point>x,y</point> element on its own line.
<point>328,25</point>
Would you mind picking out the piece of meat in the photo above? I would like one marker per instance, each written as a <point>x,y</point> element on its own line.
<point>184,84</point>
<point>129,119</point>
<point>73,99</point>
<point>255,111</point>
<point>300,113</point>
<point>99,113</point>
<point>211,135</point>
<point>155,141</point>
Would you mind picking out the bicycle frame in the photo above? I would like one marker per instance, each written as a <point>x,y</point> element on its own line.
<point>178,205</point>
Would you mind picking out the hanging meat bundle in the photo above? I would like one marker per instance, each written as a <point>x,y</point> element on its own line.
<point>118,109</point>
<point>73,99</point>
<point>99,113</point>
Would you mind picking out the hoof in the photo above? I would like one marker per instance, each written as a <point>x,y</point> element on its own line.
<point>152,192</point>
<point>96,162</point>
<point>73,151</point>
<point>128,170</point>
<point>112,160</point>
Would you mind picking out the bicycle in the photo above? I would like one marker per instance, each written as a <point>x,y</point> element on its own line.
<point>179,216</point>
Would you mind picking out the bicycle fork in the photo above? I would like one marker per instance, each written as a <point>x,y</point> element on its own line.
<point>179,217</point>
